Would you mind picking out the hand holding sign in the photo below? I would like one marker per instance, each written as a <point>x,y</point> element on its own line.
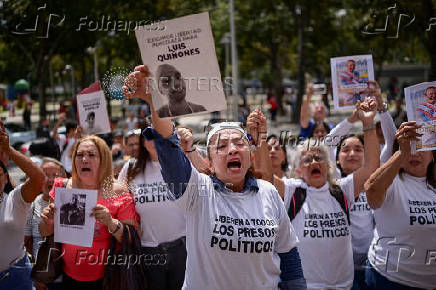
<point>136,84</point>
<point>367,111</point>
<point>405,134</point>
<point>102,214</point>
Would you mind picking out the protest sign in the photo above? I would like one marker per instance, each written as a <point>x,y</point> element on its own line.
<point>186,77</point>
<point>93,115</point>
<point>350,75</point>
<point>73,223</point>
<point>421,107</point>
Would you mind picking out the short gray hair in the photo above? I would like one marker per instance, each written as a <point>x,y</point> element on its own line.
<point>316,144</point>
<point>46,160</point>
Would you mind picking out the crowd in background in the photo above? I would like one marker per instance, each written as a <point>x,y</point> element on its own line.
<point>246,211</point>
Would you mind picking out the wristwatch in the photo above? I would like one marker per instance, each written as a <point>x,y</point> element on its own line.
<point>385,108</point>
<point>116,229</point>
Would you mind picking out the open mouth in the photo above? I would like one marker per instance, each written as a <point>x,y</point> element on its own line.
<point>414,162</point>
<point>315,172</point>
<point>86,169</point>
<point>234,165</point>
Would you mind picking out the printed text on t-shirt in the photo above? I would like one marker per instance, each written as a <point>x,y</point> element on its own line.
<point>243,235</point>
<point>325,225</point>
<point>422,212</point>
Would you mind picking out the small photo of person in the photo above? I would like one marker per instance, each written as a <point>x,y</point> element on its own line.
<point>92,127</point>
<point>350,76</point>
<point>90,120</point>
<point>172,85</point>
<point>426,114</point>
<point>72,213</point>
<point>427,111</point>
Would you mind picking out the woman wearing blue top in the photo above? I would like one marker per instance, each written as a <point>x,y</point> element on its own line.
<point>237,228</point>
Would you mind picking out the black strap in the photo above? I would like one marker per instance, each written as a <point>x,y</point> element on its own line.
<point>65,145</point>
<point>339,195</point>
<point>66,182</point>
<point>296,202</point>
<point>299,197</point>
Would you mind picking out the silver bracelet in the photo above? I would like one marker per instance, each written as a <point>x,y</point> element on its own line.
<point>369,127</point>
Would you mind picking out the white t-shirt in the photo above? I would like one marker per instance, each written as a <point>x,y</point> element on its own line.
<point>233,239</point>
<point>65,158</point>
<point>362,230</point>
<point>324,234</point>
<point>405,232</point>
<point>131,123</point>
<point>161,220</point>
<point>13,216</point>
<point>32,225</point>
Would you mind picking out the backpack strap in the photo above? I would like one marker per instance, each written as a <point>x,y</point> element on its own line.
<point>339,195</point>
<point>65,146</point>
<point>296,202</point>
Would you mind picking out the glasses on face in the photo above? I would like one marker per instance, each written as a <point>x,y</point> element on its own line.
<point>306,160</point>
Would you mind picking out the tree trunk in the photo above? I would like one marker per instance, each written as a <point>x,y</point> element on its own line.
<point>40,76</point>
<point>300,74</point>
<point>276,73</point>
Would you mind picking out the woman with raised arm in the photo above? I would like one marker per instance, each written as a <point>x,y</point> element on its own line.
<point>237,230</point>
<point>350,157</point>
<point>278,155</point>
<point>15,266</point>
<point>318,206</point>
<point>163,224</point>
<point>402,193</point>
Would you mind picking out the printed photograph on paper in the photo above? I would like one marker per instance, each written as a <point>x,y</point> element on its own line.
<point>186,77</point>
<point>421,107</point>
<point>73,211</point>
<point>73,223</point>
<point>93,115</point>
<point>350,76</point>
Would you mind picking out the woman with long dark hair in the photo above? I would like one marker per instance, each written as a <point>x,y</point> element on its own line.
<point>402,193</point>
<point>278,155</point>
<point>350,157</point>
<point>163,224</point>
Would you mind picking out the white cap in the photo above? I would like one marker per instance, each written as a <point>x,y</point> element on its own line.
<point>222,126</point>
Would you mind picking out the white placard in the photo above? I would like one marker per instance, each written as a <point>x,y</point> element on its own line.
<point>93,116</point>
<point>350,75</point>
<point>73,223</point>
<point>186,77</point>
<point>421,107</point>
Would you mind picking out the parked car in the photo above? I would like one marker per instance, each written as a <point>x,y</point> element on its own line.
<point>18,135</point>
<point>24,148</point>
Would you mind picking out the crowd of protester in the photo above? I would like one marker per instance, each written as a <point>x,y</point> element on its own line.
<point>239,213</point>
